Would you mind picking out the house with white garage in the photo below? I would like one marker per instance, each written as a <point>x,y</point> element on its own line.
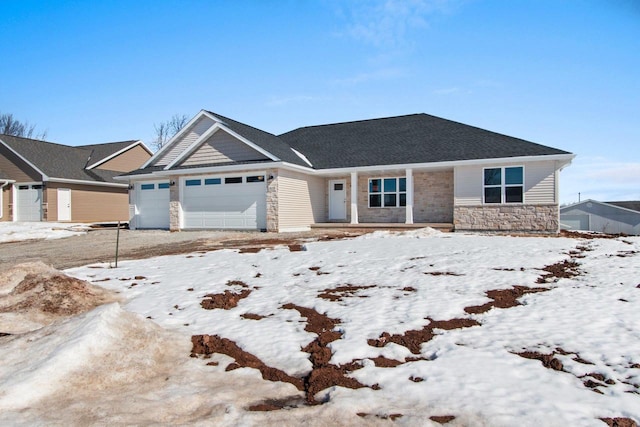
<point>409,170</point>
<point>621,217</point>
<point>45,181</point>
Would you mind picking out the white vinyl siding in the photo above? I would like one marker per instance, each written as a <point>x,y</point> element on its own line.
<point>222,148</point>
<point>539,179</point>
<point>467,185</point>
<point>301,200</point>
<point>189,137</point>
<point>540,183</point>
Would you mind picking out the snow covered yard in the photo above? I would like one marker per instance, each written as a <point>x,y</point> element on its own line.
<point>415,328</point>
<point>20,231</point>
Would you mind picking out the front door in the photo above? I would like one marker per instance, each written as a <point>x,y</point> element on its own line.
<point>64,204</point>
<point>337,199</point>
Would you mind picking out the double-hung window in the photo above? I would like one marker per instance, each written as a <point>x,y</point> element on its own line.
<point>504,185</point>
<point>387,192</point>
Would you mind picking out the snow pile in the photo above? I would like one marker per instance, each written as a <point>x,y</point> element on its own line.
<point>33,295</point>
<point>115,365</point>
<point>19,231</point>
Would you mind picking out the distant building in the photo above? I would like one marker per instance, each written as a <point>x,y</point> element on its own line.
<point>603,217</point>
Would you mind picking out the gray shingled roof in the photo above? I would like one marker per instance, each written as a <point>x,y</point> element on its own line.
<point>630,204</point>
<point>265,140</point>
<point>102,151</point>
<point>63,161</point>
<point>415,138</point>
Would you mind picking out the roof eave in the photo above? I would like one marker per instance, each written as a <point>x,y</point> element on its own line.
<point>24,159</point>
<point>564,158</point>
<point>85,182</point>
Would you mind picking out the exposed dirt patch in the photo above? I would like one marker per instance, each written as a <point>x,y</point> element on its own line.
<point>442,273</point>
<point>41,294</point>
<point>624,254</point>
<point>591,380</point>
<point>252,316</point>
<point>561,270</point>
<point>277,404</point>
<point>503,298</point>
<point>619,422</point>
<point>209,344</point>
<point>589,235</point>
<point>415,338</point>
<point>340,292</point>
<point>548,360</point>
<point>226,300</point>
<point>391,417</point>
<point>383,362</point>
<point>323,374</point>
<point>409,289</point>
<point>442,419</point>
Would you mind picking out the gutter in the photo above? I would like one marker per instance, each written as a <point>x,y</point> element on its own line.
<point>565,159</point>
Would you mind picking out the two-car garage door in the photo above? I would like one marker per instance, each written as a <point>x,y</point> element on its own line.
<point>233,202</point>
<point>211,201</point>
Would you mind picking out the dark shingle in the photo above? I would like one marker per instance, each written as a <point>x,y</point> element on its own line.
<point>416,138</point>
<point>63,161</point>
<point>102,151</point>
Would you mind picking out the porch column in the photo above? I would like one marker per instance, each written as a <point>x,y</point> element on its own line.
<point>409,215</point>
<point>354,197</point>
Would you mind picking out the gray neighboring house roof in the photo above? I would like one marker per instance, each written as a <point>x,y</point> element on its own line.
<point>66,162</point>
<point>633,205</point>
<point>415,138</point>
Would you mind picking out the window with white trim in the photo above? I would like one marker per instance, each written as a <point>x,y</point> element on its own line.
<point>387,192</point>
<point>503,185</point>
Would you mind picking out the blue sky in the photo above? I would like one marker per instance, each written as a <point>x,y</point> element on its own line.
<point>560,73</point>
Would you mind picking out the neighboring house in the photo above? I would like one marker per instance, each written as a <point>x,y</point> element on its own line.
<point>220,173</point>
<point>603,217</point>
<point>43,181</point>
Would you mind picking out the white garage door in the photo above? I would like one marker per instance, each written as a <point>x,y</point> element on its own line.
<point>233,202</point>
<point>29,202</point>
<point>152,205</point>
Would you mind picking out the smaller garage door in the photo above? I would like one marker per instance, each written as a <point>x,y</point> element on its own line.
<point>574,222</point>
<point>29,202</point>
<point>227,202</point>
<point>152,205</point>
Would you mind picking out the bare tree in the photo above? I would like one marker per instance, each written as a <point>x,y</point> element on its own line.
<point>12,126</point>
<point>167,129</point>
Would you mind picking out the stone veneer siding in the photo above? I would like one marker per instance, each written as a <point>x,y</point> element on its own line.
<point>174,204</point>
<point>272,200</point>
<point>530,218</point>
<point>432,199</point>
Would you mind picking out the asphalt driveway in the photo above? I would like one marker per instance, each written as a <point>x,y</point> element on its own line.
<point>99,245</point>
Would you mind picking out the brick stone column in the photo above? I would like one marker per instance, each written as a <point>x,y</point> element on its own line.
<point>272,200</point>
<point>175,210</point>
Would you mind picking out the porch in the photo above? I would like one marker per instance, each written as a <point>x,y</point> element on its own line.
<point>440,226</point>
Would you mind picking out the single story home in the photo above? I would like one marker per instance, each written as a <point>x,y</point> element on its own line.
<point>602,217</point>
<point>44,181</point>
<point>223,174</point>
